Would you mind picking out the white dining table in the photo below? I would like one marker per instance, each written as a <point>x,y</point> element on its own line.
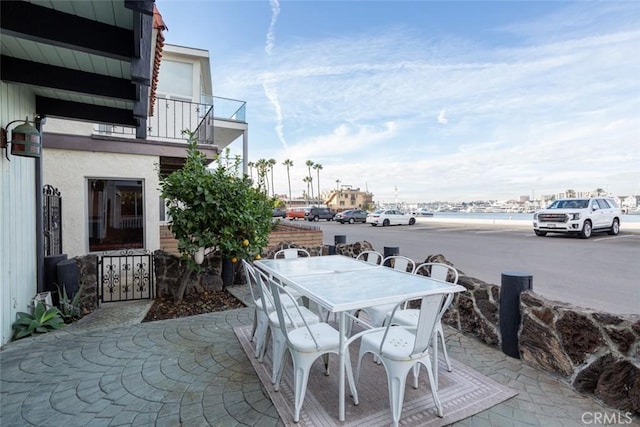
<point>341,284</point>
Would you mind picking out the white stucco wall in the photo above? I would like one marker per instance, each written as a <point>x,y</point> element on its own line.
<point>73,127</point>
<point>69,170</point>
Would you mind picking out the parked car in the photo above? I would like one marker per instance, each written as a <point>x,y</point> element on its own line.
<point>581,216</point>
<point>423,212</point>
<point>351,216</point>
<point>295,213</point>
<point>316,214</point>
<point>386,217</point>
<point>279,212</point>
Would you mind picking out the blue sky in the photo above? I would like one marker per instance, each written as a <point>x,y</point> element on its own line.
<point>450,100</point>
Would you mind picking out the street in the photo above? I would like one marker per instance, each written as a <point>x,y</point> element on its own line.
<point>602,273</point>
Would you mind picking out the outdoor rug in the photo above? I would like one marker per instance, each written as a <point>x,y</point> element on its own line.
<point>463,393</point>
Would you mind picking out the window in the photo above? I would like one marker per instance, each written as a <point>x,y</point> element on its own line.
<point>116,214</point>
<point>177,79</point>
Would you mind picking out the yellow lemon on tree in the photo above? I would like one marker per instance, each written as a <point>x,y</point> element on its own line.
<point>258,256</point>
<point>245,242</point>
<point>234,260</point>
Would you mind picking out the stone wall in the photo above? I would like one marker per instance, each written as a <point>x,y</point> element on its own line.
<point>597,353</point>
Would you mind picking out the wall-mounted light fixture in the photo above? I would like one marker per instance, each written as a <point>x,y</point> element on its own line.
<point>25,139</point>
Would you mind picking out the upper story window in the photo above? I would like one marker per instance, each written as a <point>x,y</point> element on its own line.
<point>176,79</point>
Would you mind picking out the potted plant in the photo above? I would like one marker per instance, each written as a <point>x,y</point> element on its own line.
<point>214,209</point>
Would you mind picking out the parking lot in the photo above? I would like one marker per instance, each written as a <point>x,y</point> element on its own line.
<point>600,273</point>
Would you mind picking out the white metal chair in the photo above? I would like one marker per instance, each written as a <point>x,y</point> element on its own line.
<point>400,350</point>
<point>372,257</point>
<point>377,314</point>
<point>292,253</point>
<point>289,253</point>
<point>409,317</point>
<point>260,319</point>
<point>298,318</point>
<point>306,344</point>
<point>262,309</point>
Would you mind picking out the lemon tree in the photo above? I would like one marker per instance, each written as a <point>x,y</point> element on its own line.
<point>216,208</point>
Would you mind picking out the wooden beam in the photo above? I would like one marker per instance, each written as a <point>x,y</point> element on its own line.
<point>50,76</point>
<point>49,26</point>
<point>81,111</point>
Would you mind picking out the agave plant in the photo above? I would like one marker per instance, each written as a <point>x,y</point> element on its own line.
<point>69,308</point>
<point>40,322</point>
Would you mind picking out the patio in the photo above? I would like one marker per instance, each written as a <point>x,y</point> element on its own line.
<point>110,369</point>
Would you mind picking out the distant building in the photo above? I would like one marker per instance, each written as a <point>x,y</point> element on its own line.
<point>349,198</point>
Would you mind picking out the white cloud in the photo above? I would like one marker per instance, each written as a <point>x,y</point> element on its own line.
<point>442,117</point>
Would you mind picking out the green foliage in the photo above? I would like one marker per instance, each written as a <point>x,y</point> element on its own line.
<point>215,208</point>
<point>40,322</point>
<point>69,308</point>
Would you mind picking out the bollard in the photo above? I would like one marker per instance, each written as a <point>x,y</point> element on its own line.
<point>390,251</point>
<point>67,273</point>
<point>513,284</point>
<point>339,238</point>
<point>50,276</point>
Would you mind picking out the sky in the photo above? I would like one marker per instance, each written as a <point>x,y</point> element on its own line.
<point>423,101</point>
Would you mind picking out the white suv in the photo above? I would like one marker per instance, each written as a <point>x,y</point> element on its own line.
<point>578,216</point>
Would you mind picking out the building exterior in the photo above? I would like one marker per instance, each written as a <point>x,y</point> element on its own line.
<point>349,198</point>
<point>110,100</point>
<point>115,189</point>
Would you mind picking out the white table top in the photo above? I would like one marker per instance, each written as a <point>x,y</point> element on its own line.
<point>340,283</point>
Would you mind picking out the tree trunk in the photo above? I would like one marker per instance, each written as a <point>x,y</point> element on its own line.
<point>186,277</point>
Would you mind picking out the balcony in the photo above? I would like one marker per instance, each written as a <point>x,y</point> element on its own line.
<point>217,121</point>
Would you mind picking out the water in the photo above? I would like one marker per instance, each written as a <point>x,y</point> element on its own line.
<point>512,216</point>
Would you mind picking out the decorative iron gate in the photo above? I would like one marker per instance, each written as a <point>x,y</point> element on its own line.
<point>125,275</point>
<point>52,217</point>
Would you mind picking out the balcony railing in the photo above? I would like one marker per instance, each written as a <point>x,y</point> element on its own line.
<point>173,116</point>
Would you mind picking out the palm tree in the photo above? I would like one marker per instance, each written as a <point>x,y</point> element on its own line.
<point>307,180</point>
<point>271,163</point>
<point>309,164</point>
<point>261,166</point>
<point>251,166</point>
<point>318,168</point>
<point>288,163</point>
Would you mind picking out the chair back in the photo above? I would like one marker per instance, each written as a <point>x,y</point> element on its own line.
<point>438,271</point>
<point>286,307</point>
<point>290,253</point>
<point>372,257</point>
<point>255,280</point>
<point>399,262</point>
<point>250,277</point>
<point>432,308</point>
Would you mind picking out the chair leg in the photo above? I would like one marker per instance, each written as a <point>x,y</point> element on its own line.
<point>255,324</point>
<point>301,366</point>
<point>279,345</point>
<point>434,390</point>
<point>440,333</point>
<point>261,334</point>
<point>416,373</point>
<point>396,380</point>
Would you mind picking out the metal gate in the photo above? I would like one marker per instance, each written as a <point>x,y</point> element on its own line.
<point>52,217</point>
<point>125,276</point>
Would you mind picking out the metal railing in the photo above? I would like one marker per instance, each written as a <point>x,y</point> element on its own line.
<point>173,116</point>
